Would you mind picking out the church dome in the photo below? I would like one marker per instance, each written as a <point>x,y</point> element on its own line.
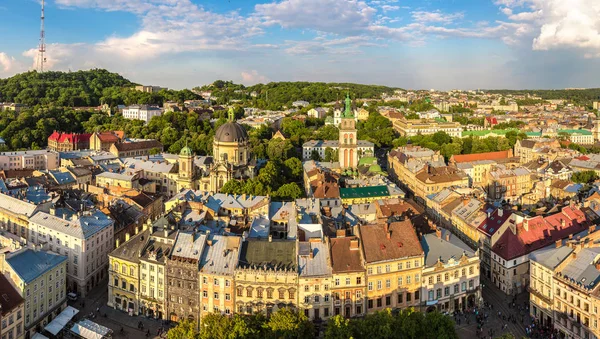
<point>231,132</point>
<point>186,151</point>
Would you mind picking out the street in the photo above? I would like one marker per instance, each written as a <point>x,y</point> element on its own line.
<point>467,328</point>
<point>95,303</point>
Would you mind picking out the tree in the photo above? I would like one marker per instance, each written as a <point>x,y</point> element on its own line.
<point>331,154</point>
<point>186,329</point>
<point>328,132</point>
<point>293,168</point>
<point>270,174</point>
<point>314,155</point>
<point>338,328</point>
<point>281,150</point>
<point>287,323</point>
<point>584,177</point>
<point>233,186</point>
<point>289,191</point>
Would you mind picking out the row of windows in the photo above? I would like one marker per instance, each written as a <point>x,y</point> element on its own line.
<point>259,293</point>
<point>438,292</point>
<point>400,266</point>
<point>388,299</point>
<point>388,282</point>
<point>438,278</point>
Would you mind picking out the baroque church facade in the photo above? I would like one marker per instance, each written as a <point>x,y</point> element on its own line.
<point>232,159</point>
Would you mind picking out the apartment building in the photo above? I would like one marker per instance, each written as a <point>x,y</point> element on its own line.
<point>263,284</point>
<point>39,276</point>
<point>141,112</point>
<point>32,159</point>
<point>12,308</point>
<point>413,127</point>
<point>61,141</point>
<point>15,214</point>
<point>393,259</point>
<point>85,238</point>
<point>348,290</point>
<point>217,269</point>
<point>450,274</point>
<point>509,184</point>
<point>529,150</point>
<point>314,273</point>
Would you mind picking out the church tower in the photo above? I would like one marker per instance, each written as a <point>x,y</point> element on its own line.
<point>596,130</point>
<point>186,168</point>
<point>348,145</point>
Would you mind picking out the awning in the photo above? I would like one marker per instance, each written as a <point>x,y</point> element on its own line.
<point>39,336</point>
<point>431,302</point>
<point>61,320</point>
<point>90,330</point>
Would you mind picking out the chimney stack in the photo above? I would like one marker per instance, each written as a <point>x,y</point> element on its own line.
<point>574,255</point>
<point>447,236</point>
<point>354,244</point>
<point>438,234</point>
<point>340,233</point>
<point>127,236</point>
<point>592,229</point>
<point>270,238</point>
<point>598,265</point>
<point>500,212</point>
<point>312,253</point>
<point>558,243</point>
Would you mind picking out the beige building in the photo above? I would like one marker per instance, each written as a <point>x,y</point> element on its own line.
<point>348,287</point>
<point>413,127</point>
<point>394,261</point>
<point>39,276</point>
<point>509,184</point>
<point>32,159</point>
<point>217,272</point>
<point>451,273</point>
<point>529,150</point>
<point>262,284</point>
<point>314,279</point>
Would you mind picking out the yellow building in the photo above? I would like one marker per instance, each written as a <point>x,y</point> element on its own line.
<point>261,285</point>
<point>314,280</point>
<point>123,180</point>
<point>217,272</point>
<point>40,278</point>
<point>450,273</point>
<point>124,274</point>
<point>348,287</point>
<point>394,260</point>
<point>466,218</point>
<point>413,127</point>
<point>15,214</point>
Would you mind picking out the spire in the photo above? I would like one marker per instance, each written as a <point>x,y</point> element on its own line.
<point>231,114</point>
<point>348,106</point>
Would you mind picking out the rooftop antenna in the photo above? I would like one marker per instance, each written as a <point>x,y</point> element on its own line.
<point>42,48</point>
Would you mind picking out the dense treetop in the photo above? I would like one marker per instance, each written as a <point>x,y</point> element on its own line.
<point>576,96</point>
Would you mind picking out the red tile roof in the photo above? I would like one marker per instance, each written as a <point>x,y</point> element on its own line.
<point>492,120</point>
<point>343,258</point>
<point>540,232</point>
<point>11,298</point>
<point>403,241</point>
<point>69,137</point>
<point>458,158</point>
<point>491,224</point>
<point>108,137</point>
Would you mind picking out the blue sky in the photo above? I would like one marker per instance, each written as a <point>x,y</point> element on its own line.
<point>441,44</point>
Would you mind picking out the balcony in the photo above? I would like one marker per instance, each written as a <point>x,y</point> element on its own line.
<point>337,302</point>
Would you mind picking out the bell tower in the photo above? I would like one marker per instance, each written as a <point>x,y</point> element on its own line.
<point>348,145</point>
<point>186,167</point>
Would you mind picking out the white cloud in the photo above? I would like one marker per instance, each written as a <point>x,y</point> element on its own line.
<point>6,63</point>
<point>253,77</point>
<point>389,8</point>
<point>332,16</point>
<point>436,16</point>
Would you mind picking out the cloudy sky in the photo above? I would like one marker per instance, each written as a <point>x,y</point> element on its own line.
<point>440,44</point>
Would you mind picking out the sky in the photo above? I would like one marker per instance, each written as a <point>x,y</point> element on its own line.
<point>416,44</point>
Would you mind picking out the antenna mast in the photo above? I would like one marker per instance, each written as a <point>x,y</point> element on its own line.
<point>42,48</point>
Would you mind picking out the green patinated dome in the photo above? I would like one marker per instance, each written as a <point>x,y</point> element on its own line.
<point>186,151</point>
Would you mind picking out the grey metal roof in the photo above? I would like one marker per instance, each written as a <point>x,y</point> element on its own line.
<point>551,256</point>
<point>189,245</point>
<point>319,265</point>
<point>436,248</point>
<point>83,227</point>
<point>222,256</point>
<point>582,269</point>
<point>17,206</point>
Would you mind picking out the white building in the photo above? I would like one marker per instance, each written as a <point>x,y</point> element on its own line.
<point>35,160</point>
<point>141,112</point>
<point>318,113</point>
<point>86,239</point>
<point>364,147</point>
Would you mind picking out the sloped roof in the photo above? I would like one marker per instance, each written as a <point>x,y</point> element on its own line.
<point>459,158</point>
<point>270,254</point>
<point>30,264</point>
<point>343,258</point>
<point>403,241</point>
<point>11,298</point>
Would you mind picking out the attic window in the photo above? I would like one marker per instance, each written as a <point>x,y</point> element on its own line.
<point>382,247</point>
<point>399,244</point>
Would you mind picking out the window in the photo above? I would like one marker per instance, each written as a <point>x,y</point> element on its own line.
<point>370,270</point>
<point>388,283</point>
<point>281,294</point>
<point>347,281</point>
<point>417,263</point>
<point>407,264</point>
<point>400,297</point>
<point>326,298</point>
<point>430,297</point>
<point>378,302</point>
<point>378,269</point>
<point>456,288</point>
<point>316,288</point>
<point>269,294</point>
<point>131,271</point>
<point>337,282</point>
<point>387,268</point>
<point>259,293</point>
<point>471,269</point>
<point>388,300</point>
<point>370,286</point>
<point>358,280</point>
<point>249,292</point>
<point>291,294</point>
<point>204,294</point>
<point>227,296</point>
<point>438,293</point>
<point>430,280</point>
<point>240,291</point>
<point>446,277</point>
<point>216,295</point>
<point>399,266</point>
<point>378,284</point>
<point>216,282</point>
<point>370,303</point>
<point>446,291</point>
<point>408,279</point>
<point>417,277</point>
<point>306,288</point>
<point>471,284</point>
<point>416,295</point>
<point>463,286</point>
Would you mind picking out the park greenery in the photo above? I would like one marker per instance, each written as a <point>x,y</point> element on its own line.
<point>575,96</point>
<point>584,177</point>
<point>286,323</point>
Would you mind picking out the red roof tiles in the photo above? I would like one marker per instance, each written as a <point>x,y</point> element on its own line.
<point>459,158</point>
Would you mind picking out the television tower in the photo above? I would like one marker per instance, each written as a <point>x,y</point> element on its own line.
<point>42,48</point>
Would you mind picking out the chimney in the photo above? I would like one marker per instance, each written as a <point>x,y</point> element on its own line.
<point>340,233</point>
<point>447,236</point>
<point>526,224</point>
<point>270,238</point>
<point>209,242</point>
<point>558,243</point>
<point>570,236</point>
<point>354,244</point>
<point>465,201</point>
<point>562,222</point>
<point>438,233</point>
<point>574,255</point>
<point>500,212</point>
<point>592,229</point>
<point>386,227</point>
<point>166,233</point>
<point>52,211</point>
<point>598,265</point>
<point>126,236</point>
<point>117,243</point>
<point>312,253</point>
<point>388,235</point>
